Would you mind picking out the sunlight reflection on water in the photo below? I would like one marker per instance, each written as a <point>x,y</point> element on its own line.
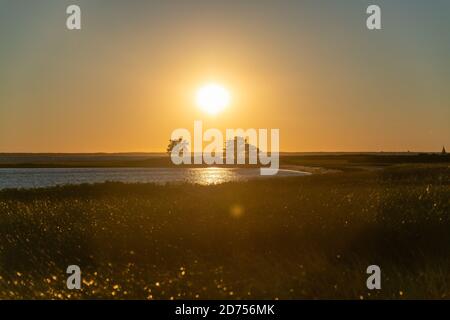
<point>46,177</point>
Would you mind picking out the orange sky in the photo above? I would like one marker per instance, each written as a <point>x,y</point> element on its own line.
<point>129,77</point>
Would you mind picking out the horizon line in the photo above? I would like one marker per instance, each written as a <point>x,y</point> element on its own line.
<point>164,152</point>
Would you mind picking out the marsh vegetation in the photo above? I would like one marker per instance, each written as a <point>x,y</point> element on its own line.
<point>286,238</point>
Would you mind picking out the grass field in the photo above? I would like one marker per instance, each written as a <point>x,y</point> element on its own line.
<point>287,238</point>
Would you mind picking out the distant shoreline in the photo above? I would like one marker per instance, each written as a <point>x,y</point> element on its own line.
<point>337,161</point>
<point>162,154</point>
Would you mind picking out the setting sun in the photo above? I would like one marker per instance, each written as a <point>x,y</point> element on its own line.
<point>213,98</point>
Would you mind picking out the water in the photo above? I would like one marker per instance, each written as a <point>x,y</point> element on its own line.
<point>47,177</point>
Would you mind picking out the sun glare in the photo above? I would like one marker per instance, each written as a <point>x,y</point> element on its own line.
<point>213,98</point>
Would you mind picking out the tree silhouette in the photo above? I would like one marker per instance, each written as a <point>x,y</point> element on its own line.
<point>232,146</point>
<point>176,142</point>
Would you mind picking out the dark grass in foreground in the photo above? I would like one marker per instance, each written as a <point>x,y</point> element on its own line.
<point>303,237</point>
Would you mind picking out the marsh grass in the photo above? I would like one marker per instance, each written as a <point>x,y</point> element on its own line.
<point>287,238</point>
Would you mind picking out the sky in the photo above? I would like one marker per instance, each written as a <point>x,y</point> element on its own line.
<point>311,69</point>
